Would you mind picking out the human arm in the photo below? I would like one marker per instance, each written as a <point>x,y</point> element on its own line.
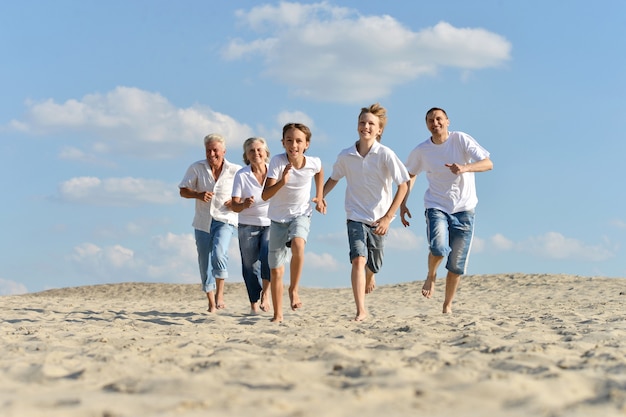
<point>272,185</point>
<point>382,224</point>
<point>404,210</point>
<point>329,185</point>
<point>205,196</point>
<point>479,166</point>
<point>237,204</point>
<point>320,203</point>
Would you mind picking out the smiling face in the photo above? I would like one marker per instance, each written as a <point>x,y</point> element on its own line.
<point>437,123</point>
<point>369,127</point>
<point>215,152</point>
<point>295,143</point>
<point>256,153</point>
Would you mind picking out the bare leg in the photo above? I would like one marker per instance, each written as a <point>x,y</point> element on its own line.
<point>277,292</point>
<point>452,283</point>
<point>211,297</point>
<point>265,292</point>
<point>297,262</point>
<point>429,286</point>
<point>219,293</point>
<point>370,281</point>
<point>358,287</point>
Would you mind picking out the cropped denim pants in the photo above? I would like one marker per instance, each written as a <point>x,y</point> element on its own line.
<point>213,249</point>
<point>450,235</point>
<point>253,246</point>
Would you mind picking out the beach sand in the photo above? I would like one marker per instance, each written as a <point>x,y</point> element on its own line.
<point>515,345</point>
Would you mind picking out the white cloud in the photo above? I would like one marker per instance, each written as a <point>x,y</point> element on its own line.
<point>108,262</point>
<point>403,239</point>
<point>294,117</point>
<point>70,153</point>
<point>168,258</point>
<point>128,120</point>
<point>478,245</point>
<point>553,245</point>
<point>8,287</point>
<point>618,223</point>
<point>501,243</point>
<point>323,261</point>
<point>333,53</point>
<point>116,191</point>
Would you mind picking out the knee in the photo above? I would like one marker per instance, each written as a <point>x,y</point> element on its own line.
<point>358,262</point>
<point>297,245</point>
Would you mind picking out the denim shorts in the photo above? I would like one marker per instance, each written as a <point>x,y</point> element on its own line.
<point>450,235</point>
<point>363,242</point>
<point>281,235</point>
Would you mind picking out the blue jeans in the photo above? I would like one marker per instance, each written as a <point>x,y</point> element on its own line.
<point>253,246</point>
<point>213,248</point>
<point>450,235</point>
<point>363,242</point>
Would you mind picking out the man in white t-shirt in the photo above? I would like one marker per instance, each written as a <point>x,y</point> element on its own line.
<point>371,169</point>
<point>210,182</point>
<point>449,160</point>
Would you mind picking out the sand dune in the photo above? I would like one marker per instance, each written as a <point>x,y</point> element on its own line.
<point>516,345</point>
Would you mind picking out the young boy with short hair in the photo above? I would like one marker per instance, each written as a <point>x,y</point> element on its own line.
<point>370,169</point>
<point>288,187</point>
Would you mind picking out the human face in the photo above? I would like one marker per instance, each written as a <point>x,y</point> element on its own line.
<point>295,143</point>
<point>256,153</point>
<point>369,127</point>
<point>215,152</point>
<point>437,123</point>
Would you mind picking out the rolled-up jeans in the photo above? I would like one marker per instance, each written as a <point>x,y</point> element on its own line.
<point>213,248</point>
<point>253,246</point>
<point>450,235</point>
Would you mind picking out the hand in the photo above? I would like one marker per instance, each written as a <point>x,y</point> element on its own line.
<point>404,210</point>
<point>456,168</point>
<point>320,205</point>
<point>228,204</point>
<point>286,172</point>
<point>206,196</point>
<point>248,202</point>
<point>382,225</point>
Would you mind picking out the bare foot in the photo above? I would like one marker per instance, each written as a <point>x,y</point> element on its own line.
<point>277,319</point>
<point>294,299</point>
<point>429,288</point>
<point>370,284</point>
<point>360,317</point>
<point>264,306</point>
<point>220,304</point>
<point>211,309</point>
<point>447,309</point>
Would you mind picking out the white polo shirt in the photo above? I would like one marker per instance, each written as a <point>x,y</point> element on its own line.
<point>370,179</point>
<point>199,178</point>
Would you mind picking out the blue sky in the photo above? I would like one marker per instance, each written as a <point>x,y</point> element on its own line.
<point>104,105</point>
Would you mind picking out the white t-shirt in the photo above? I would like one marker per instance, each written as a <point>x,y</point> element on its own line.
<point>446,191</point>
<point>246,185</point>
<point>294,198</point>
<point>199,178</point>
<point>370,179</point>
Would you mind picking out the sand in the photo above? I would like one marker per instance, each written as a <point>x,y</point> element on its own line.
<point>515,345</point>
